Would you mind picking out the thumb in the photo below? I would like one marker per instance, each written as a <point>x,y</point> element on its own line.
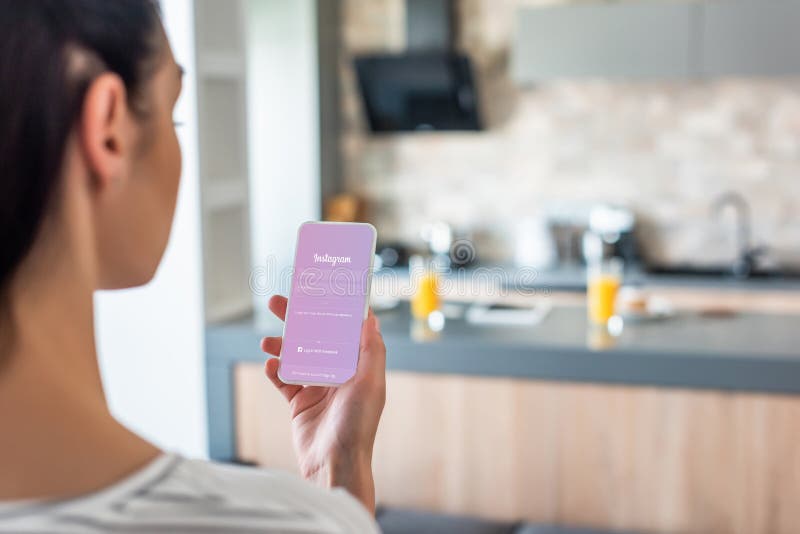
<point>372,351</point>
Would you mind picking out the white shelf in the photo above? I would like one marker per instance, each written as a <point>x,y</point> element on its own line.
<point>223,65</point>
<point>224,310</point>
<point>225,194</point>
<point>219,25</point>
<point>223,130</point>
<point>226,243</point>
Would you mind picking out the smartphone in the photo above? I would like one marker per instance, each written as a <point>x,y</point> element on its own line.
<point>328,302</point>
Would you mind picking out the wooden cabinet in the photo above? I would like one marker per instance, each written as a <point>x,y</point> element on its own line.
<point>626,458</point>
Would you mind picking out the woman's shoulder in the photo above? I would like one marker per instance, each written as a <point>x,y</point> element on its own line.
<point>175,494</point>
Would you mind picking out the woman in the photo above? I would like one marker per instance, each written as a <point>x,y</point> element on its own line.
<point>89,171</point>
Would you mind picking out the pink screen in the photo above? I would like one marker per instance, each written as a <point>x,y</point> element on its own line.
<point>329,292</point>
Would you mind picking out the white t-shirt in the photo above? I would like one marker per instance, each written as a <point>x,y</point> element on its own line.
<point>176,495</point>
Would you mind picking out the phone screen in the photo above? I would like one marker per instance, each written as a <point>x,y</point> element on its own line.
<point>327,302</point>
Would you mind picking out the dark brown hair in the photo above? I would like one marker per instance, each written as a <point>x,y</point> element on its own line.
<point>41,96</point>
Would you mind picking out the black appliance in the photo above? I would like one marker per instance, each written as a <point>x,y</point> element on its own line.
<point>418,91</point>
<point>430,87</point>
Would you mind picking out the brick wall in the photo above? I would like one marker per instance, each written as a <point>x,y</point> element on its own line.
<point>666,150</point>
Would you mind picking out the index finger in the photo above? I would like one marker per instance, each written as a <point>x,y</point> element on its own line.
<point>277,305</point>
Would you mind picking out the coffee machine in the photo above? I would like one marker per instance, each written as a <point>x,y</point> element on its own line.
<point>610,233</point>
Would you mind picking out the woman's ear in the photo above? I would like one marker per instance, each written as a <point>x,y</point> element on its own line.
<point>105,129</point>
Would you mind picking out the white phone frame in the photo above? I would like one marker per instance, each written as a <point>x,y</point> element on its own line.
<point>366,299</point>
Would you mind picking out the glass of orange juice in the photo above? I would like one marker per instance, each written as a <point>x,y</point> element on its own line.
<point>425,299</point>
<point>604,278</point>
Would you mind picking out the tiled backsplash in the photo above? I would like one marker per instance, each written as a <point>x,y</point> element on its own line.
<point>664,149</point>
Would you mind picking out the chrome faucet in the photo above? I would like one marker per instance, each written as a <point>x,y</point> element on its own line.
<point>744,263</point>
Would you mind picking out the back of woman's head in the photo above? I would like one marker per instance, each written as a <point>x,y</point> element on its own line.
<point>50,50</point>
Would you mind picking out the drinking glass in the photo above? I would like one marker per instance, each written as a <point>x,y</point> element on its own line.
<point>604,278</point>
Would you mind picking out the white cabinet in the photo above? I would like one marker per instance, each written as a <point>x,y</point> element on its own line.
<point>639,40</point>
<point>750,38</point>
<point>657,40</point>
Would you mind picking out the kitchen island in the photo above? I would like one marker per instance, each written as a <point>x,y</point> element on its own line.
<point>751,352</point>
<point>688,424</point>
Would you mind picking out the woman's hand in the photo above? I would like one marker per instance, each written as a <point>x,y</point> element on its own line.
<point>334,428</point>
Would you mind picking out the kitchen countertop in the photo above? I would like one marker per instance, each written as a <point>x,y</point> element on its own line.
<point>573,278</point>
<point>742,352</point>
